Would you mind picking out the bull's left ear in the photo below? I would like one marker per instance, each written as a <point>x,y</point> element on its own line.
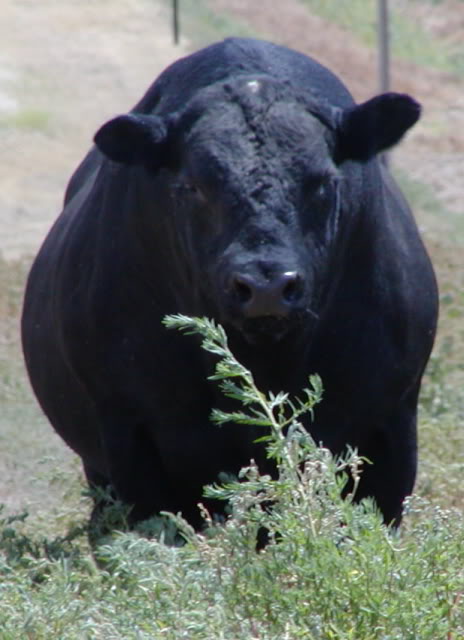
<point>134,139</point>
<point>375,125</point>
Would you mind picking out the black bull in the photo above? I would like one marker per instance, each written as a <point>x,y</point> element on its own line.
<point>245,186</point>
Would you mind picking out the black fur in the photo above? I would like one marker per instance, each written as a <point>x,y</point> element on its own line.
<point>244,186</point>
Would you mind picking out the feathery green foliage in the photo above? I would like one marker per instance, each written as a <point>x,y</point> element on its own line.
<point>331,569</point>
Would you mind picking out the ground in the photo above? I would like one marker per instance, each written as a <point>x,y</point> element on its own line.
<point>67,66</point>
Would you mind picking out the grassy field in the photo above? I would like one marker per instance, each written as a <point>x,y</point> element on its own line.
<point>316,580</point>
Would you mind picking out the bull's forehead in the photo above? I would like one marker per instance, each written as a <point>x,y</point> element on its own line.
<point>254,99</point>
<point>254,125</point>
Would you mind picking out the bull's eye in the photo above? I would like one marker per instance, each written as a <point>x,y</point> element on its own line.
<point>320,198</point>
<point>187,188</point>
<point>317,191</point>
<point>192,189</point>
<point>189,191</point>
<point>321,192</point>
<point>196,194</point>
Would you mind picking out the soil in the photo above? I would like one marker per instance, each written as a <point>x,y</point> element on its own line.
<point>66,67</point>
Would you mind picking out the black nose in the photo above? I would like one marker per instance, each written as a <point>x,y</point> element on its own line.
<point>257,297</point>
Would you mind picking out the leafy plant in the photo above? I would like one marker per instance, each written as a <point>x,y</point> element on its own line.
<point>330,570</point>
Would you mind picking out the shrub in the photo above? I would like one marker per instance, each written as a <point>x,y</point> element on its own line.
<point>330,570</point>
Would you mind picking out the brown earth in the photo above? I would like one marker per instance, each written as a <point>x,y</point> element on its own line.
<point>65,67</point>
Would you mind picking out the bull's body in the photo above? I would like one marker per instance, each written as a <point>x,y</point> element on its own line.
<point>243,187</point>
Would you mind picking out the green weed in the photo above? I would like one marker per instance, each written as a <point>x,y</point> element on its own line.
<point>331,569</point>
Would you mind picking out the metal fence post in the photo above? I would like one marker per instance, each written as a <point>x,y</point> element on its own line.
<point>175,20</point>
<point>384,45</point>
<point>383,31</point>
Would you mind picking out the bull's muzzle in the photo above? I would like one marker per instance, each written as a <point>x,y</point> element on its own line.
<point>256,297</point>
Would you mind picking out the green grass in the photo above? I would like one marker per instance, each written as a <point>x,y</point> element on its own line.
<point>359,583</point>
<point>12,278</point>
<point>409,41</point>
<point>443,224</point>
<point>29,119</point>
<point>330,571</point>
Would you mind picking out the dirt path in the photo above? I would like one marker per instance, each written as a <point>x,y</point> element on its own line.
<point>64,68</point>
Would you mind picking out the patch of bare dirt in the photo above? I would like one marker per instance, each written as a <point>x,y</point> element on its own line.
<point>65,67</point>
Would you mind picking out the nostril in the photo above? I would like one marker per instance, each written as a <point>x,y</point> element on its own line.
<point>291,289</point>
<point>289,292</point>
<point>242,290</point>
<point>259,297</point>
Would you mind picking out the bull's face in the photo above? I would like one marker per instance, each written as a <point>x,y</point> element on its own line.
<point>256,191</point>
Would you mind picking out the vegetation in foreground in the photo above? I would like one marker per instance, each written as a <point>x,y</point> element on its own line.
<point>331,568</point>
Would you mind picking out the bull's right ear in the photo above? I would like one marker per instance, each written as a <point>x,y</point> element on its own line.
<point>134,139</point>
<point>374,126</point>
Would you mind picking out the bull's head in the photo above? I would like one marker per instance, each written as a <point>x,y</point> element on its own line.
<point>263,178</point>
